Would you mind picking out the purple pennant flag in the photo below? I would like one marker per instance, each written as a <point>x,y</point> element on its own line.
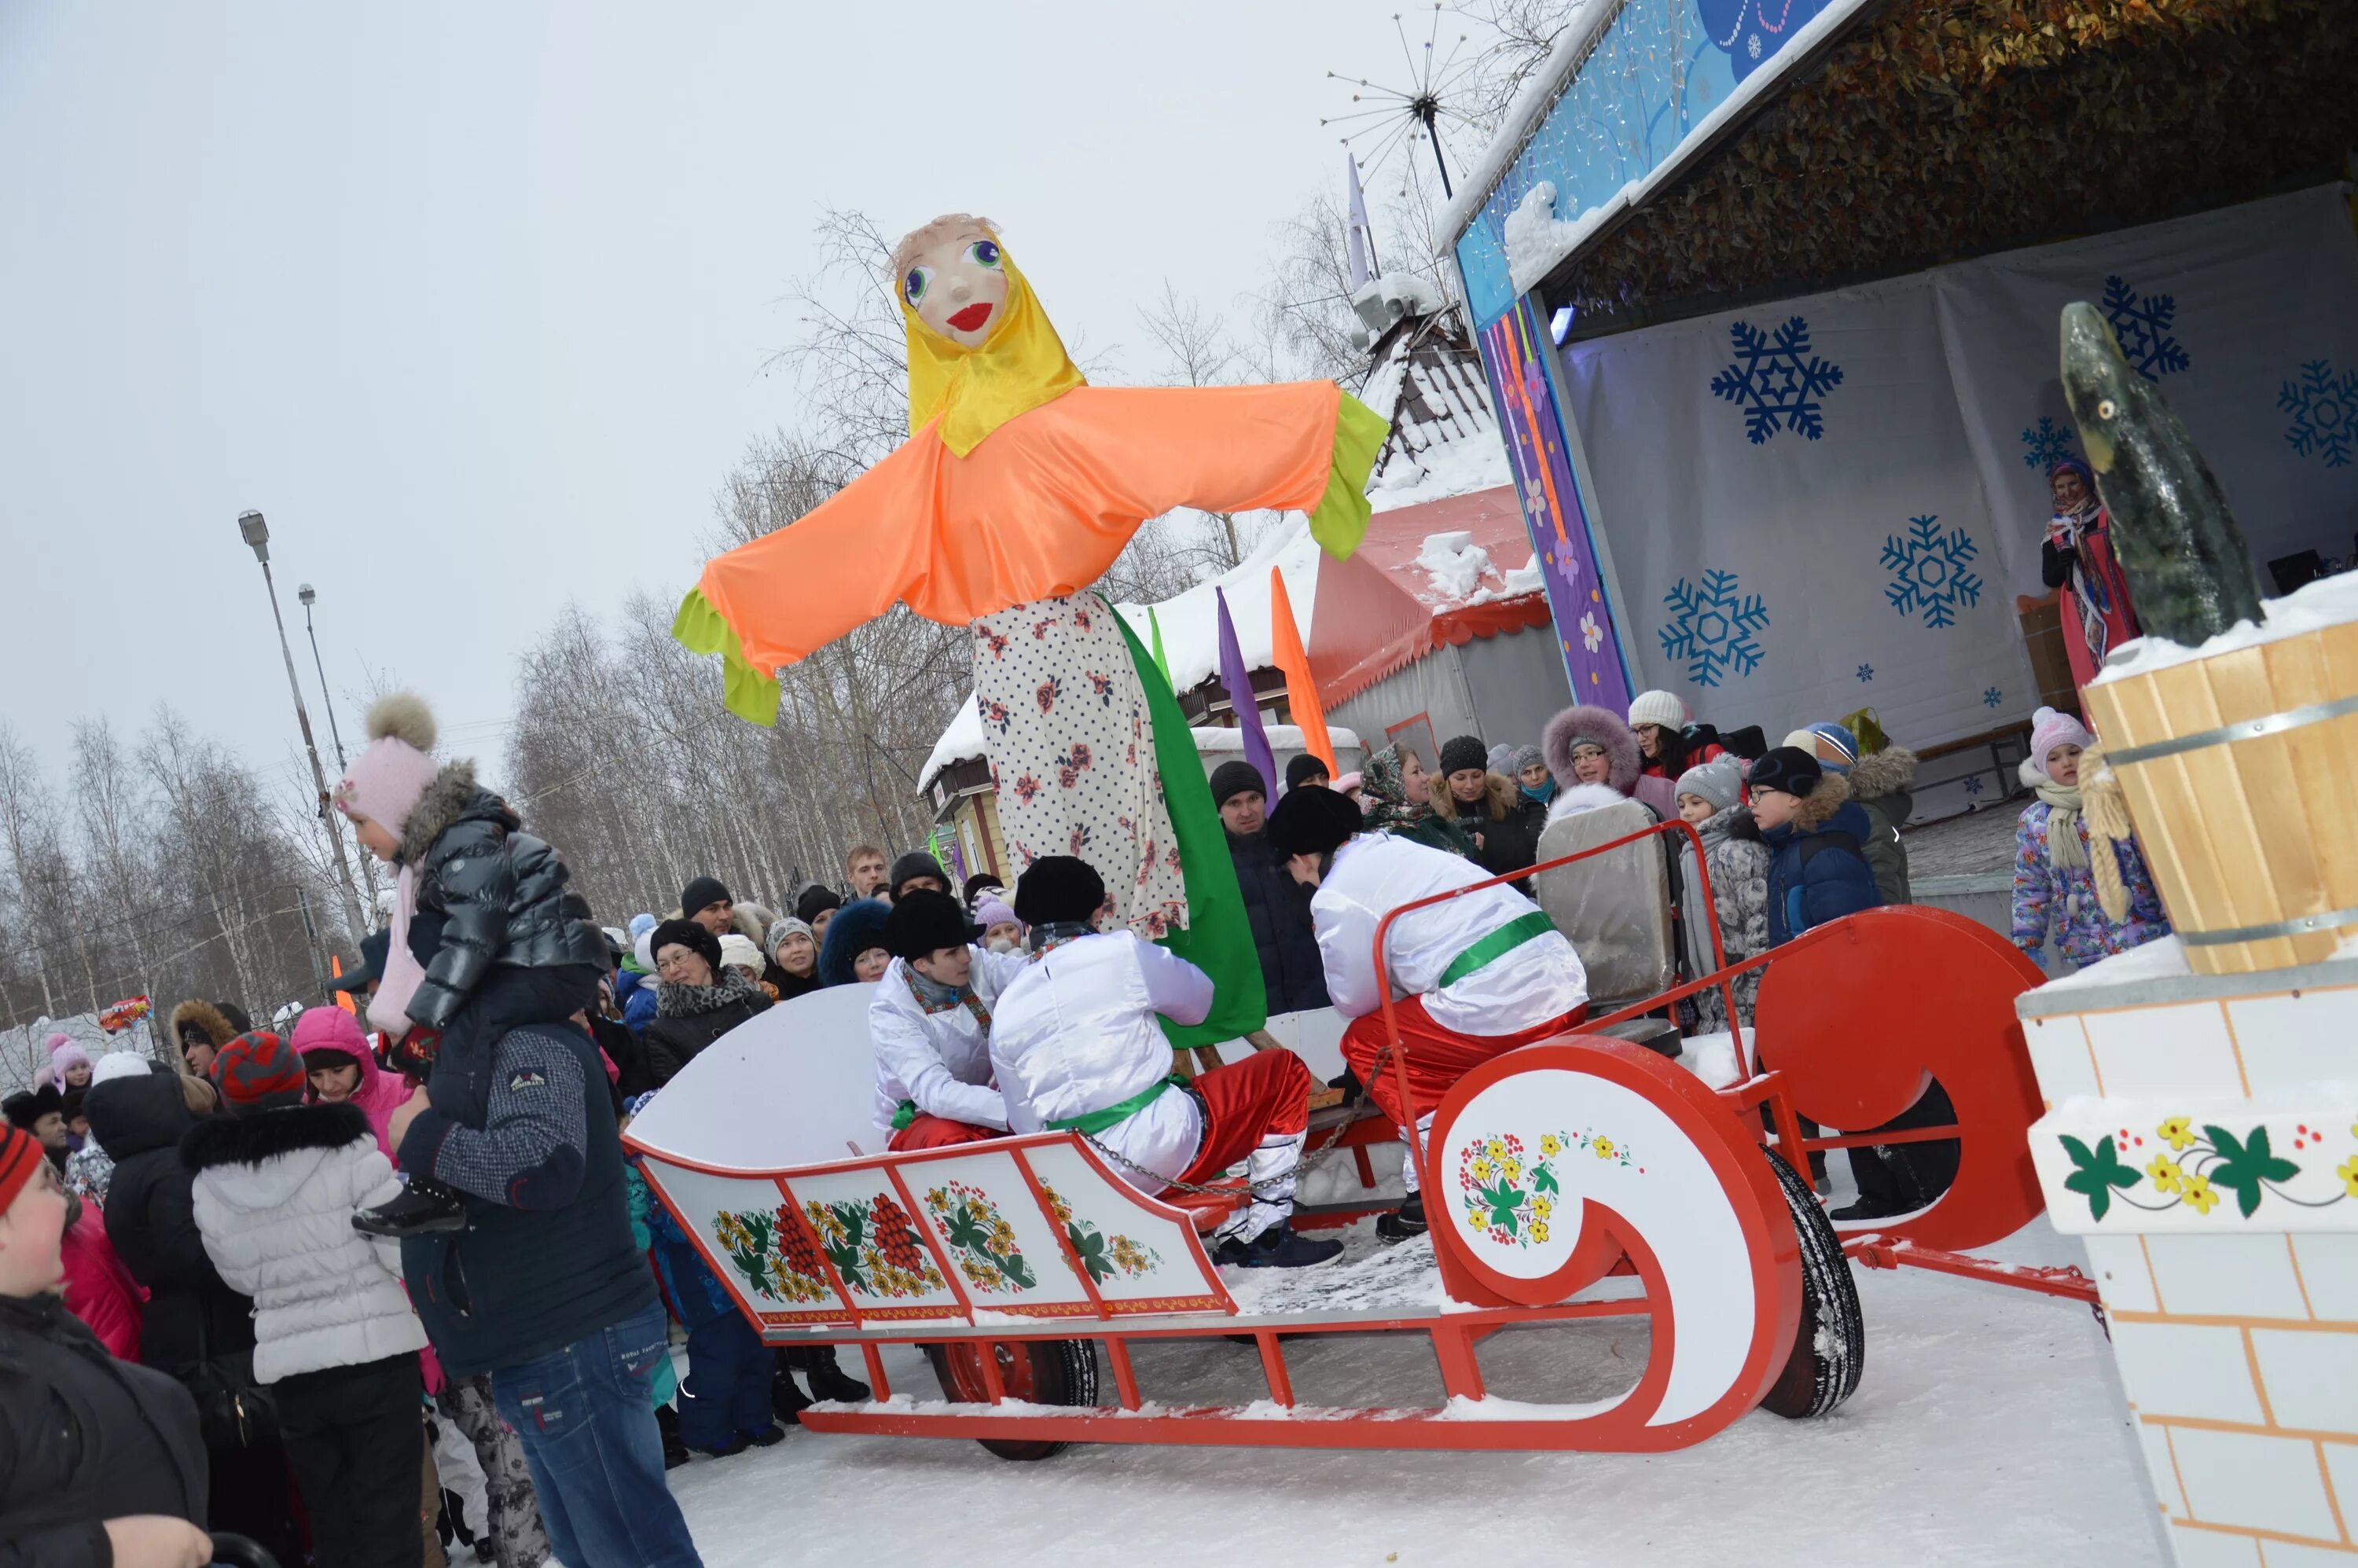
<point>1239,681</point>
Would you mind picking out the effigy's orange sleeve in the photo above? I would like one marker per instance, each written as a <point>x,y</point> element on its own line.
<point>1041,507</point>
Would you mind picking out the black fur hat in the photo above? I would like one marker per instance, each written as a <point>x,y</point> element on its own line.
<point>923,921</point>
<point>1058,888</point>
<point>1311,820</point>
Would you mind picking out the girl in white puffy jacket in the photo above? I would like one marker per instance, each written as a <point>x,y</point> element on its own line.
<point>335,1343</point>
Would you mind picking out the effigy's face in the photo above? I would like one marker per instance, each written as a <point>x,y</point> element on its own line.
<point>957,286</point>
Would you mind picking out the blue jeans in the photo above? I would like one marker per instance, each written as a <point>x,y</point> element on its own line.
<point>588,1427</point>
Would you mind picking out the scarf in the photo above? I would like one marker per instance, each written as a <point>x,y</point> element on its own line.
<point>692,1002</point>
<point>1388,805</point>
<point>1540,796</point>
<point>2083,530</point>
<point>389,1009</point>
<point>1048,935</point>
<point>934,997</point>
<point>2064,850</point>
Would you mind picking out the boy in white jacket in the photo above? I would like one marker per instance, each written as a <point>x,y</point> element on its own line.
<point>929,1026</point>
<point>1471,977</point>
<point>278,1184</point>
<point>1076,1047</point>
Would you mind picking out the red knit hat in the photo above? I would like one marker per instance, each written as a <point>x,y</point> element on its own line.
<point>257,1068</point>
<point>20,1156</point>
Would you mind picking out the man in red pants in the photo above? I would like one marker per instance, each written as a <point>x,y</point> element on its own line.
<point>1471,977</point>
<point>1076,1047</point>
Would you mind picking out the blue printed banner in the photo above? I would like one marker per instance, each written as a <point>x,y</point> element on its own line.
<point>1513,351</point>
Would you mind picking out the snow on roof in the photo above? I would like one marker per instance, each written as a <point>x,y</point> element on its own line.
<point>1221,737</point>
<point>962,740</point>
<point>1440,471</point>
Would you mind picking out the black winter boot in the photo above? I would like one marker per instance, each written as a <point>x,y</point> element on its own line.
<point>787,1401</point>
<point>1404,1222</point>
<point>424,1205</point>
<point>830,1381</point>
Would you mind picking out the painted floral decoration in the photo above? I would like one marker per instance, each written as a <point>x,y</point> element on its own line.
<point>771,1255</point>
<point>1101,1255</point>
<point>1509,1194</point>
<point>2203,1163</point>
<point>980,1237</point>
<point>874,1247</point>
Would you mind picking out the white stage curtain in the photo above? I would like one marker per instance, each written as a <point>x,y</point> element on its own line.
<point>2246,319</point>
<point>1822,503</point>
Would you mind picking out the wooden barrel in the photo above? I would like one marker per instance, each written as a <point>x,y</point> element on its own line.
<point>2240,770</point>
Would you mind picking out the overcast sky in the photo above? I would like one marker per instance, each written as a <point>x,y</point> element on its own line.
<point>472,300</point>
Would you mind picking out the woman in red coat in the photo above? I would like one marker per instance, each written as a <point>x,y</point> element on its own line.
<point>2077,557</point>
<point>99,1290</point>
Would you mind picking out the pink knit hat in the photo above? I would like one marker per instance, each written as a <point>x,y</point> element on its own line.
<point>329,1029</point>
<point>2049,730</point>
<point>386,780</point>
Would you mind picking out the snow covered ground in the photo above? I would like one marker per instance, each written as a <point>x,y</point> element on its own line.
<point>1988,1428</point>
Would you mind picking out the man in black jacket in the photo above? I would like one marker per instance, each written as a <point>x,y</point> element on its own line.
<point>1277,905</point>
<point>546,1291</point>
<point>100,1461</point>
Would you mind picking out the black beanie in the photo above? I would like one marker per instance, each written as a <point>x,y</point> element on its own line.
<point>1461,752</point>
<point>1233,778</point>
<point>924,921</point>
<point>1311,820</point>
<point>702,893</point>
<point>685,934</point>
<point>1058,888</point>
<point>1305,766</point>
<point>1787,768</point>
<point>975,886</point>
<point>815,902</point>
<point>915,863</point>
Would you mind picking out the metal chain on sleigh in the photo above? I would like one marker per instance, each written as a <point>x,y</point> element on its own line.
<point>1308,1161</point>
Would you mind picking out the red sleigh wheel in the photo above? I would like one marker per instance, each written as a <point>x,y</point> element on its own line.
<point>1036,1371</point>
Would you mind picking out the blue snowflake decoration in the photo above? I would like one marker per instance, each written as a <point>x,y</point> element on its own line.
<point>1928,571</point>
<point>1715,626</point>
<point>2324,409</point>
<point>2143,324</point>
<point>1866,672</point>
<point>2046,445</point>
<point>1992,698</point>
<point>1776,380</point>
<point>1972,783</point>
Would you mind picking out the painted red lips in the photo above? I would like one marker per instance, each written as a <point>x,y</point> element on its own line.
<point>972,318</point>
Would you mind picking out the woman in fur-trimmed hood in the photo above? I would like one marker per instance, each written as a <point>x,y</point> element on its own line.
<point>1571,743</point>
<point>497,894</point>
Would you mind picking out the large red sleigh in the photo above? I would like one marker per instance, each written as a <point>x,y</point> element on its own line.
<point>1583,1177</point>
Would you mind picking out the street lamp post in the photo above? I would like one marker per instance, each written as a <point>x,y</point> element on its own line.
<point>307,596</point>
<point>256,533</point>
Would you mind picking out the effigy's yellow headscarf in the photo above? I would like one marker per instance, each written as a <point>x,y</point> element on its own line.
<point>973,391</point>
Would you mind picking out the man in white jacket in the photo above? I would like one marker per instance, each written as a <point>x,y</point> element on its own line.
<point>277,1184</point>
<point>1471,977</point>
<point>929,1025</point>
<point>1078,1048</point>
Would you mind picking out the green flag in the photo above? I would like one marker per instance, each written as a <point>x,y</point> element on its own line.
<point>1218,940</point>
<point>1154,626</point>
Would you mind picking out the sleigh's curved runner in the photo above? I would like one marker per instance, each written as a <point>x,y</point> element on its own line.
<point>1583,1177</point>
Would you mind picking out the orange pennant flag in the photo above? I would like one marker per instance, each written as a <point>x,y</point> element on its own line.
<point>344,999</point>
<point>1300,691</point>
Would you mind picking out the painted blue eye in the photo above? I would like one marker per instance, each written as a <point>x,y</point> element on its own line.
<point>983,253</point>
<point>913,287</point>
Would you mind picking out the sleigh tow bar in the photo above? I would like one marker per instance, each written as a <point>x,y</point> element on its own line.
<point>2068,1282</point>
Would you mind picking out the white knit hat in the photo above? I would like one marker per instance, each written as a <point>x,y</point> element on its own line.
<point>118,1065</point>
<point>740,952</point>
<point>1661,708</point>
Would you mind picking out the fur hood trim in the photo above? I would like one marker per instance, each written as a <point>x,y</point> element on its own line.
<point>250,1139</point>
<point>1591,724</point>
<point>1580,797</point>
<point>205,1016</point>
<point>1887,772</point>
<point>1817,808</point>
<point>1498,797</point>
<point>445,800</point>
